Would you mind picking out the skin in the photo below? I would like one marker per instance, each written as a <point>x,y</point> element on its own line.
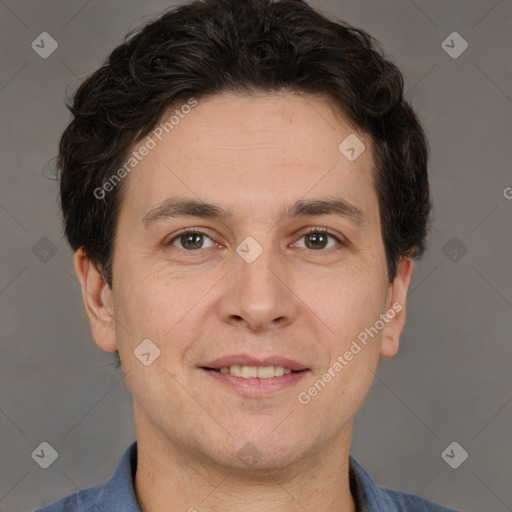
<point>255,155</point>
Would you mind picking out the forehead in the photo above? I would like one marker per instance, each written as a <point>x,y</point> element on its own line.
<point>251,152</point>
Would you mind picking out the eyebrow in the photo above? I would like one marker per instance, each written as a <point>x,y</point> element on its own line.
<point>175,207</point>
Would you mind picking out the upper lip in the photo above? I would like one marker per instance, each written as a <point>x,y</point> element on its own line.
<point>246,360</point>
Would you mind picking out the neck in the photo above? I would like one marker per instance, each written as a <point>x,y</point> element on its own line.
<point>173,478</point>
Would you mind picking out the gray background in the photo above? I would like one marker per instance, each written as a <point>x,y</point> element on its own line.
<point>451,380</point>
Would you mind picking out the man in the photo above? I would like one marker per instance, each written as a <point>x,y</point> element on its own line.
<point>245,188</point>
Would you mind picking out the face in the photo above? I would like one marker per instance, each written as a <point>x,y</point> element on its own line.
<point>285,267</point>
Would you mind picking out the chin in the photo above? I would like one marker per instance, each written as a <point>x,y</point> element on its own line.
<point>260,452</point>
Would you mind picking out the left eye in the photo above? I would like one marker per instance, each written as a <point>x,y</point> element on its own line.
<point>318,238</point>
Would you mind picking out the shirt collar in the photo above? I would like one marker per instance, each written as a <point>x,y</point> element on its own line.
<point>367,496</point>
<point>118,492</point>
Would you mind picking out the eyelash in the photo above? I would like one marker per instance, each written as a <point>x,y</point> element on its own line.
<point>310,231</point>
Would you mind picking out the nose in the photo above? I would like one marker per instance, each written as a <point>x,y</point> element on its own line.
<point>259,293</point>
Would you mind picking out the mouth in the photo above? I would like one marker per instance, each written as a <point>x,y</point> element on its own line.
<point>255,372</point>
<point>255,381</point>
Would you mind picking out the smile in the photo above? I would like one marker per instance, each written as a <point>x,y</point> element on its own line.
<point>256,381</point>
<point>252,372</point>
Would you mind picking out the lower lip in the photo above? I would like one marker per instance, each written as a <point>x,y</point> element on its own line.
<point>257,387</point>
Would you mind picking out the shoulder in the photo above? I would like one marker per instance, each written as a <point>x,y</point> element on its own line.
<point>84,500</point>
<point>115,495</point>
<point>371,498</point>
<point>406,502</point>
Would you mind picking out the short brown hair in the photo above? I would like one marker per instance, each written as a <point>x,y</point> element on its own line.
<point>210,46</point>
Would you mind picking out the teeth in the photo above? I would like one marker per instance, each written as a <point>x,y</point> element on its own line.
<point>249,372</point>
<point>252,372</point>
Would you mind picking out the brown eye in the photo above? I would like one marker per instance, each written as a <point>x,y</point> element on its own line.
<point>318,239</point>
<point>189,240</point>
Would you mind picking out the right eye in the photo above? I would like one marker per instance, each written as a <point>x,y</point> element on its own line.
<point>190,240</point>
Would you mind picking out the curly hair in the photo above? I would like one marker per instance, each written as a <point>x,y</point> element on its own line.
<point>207,47</point>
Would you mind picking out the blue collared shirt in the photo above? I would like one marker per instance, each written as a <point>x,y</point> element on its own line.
<point>118,494</point>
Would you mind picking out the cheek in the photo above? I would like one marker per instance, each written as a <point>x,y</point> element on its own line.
<point>164,308</point>
<point>347,302</point>
<point>143,307</point>
<point>334,395</point>
<point>350,385</point>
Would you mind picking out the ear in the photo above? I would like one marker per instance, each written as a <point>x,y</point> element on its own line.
<point>395,310</point>
<point>98,302</point>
